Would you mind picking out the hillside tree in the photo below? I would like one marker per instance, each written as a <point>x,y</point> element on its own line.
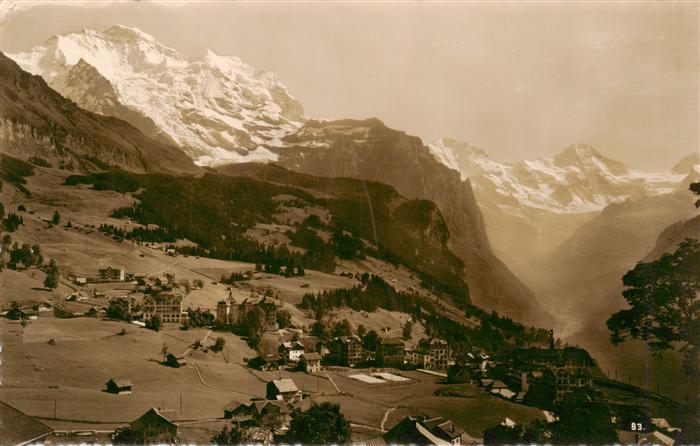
<point>664,301</point>
<point>51,279</point>
<point>695,188</point>
<point>407,330</point>
<point>218,345</point>
<point>118,309</point>
<point>155,323</point>
<point>56,218</point>
<point>321,424</point>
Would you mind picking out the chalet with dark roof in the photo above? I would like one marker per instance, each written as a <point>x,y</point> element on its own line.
<point>119,386</point>
<point>156,427</point>
<point>284,389</point>
<point>423,431</point>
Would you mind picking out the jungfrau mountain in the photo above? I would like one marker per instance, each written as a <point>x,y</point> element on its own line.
<point>218,108</point>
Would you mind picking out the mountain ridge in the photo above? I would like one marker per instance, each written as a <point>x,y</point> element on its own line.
<point>367,149</point>
<point>578,179</point>
<point>35,119</point>
<point>218,108</point>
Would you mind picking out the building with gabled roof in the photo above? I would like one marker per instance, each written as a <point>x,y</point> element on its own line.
<point>266,362</point>
<point>390,353</point>
<point>310,362</point>
<point>284,389</point>
<point>156,427</point>
<point>111,274</point>
<point>347,350</point>
<point>119,386</point>
<point>18,428</point>
<point>273,414</point>
<point>291,351</point>
<point>444,429</point>
<point>413,430</point>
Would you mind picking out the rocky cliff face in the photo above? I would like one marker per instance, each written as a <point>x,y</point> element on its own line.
<point>369,150</point>
<point>35,120</point>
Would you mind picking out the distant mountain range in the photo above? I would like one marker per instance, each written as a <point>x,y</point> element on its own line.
<point>532,207</point>
<point>218,109</point>
<point>577,180</point>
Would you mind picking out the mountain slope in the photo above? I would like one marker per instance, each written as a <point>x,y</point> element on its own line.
<point>531,207</point>
<point>370,150</point>
<point>583,280</point>
<point>686,164</point>
<point>35,120</point>
<point>584,272</point>
<point>673,235</point>
<point>217,109</point>
<point>225,214</point>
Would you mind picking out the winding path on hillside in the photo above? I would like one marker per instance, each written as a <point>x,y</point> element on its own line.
<point>386,415</point>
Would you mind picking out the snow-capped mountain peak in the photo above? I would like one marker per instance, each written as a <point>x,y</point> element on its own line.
<point>578,179</point>
<point>218,108</point>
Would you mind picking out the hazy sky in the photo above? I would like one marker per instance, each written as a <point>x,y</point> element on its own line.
<point>521,80</point>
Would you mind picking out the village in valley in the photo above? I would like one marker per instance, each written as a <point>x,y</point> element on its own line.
<point>188,255</point>
<point>187,353</point>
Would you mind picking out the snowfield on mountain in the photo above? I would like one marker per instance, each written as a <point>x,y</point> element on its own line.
<point>218,109</point>
<point>577,180</point>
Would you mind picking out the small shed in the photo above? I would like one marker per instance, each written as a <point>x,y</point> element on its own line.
<point>119,386</point>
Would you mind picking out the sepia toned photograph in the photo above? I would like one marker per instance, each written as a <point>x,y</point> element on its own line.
<point>366,223</point>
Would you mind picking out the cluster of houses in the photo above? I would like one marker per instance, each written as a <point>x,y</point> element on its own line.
<point>231,313</point>
<point>571,368</point>
<point>154,295</point>
<point>104,275</point>
<point>437,431</point>
<point>309,353</point>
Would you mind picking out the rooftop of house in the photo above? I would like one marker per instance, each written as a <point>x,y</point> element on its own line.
<point>443,428</point>
<point>169,416</point>
<point>293,345</point>
<point>261,404</point>
<point>16,427</point>
<point>312,356</point>
<point>411,430</point>
<point>285,385</point>
<point>119,382</point>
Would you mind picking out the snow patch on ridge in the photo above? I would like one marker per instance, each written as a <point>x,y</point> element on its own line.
<point>218,109</point>
<point>578,180</point>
